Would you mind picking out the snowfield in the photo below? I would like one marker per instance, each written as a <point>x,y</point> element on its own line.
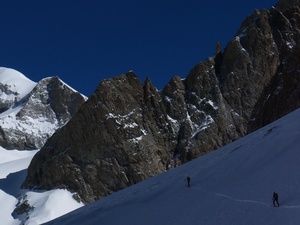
<point>48,205</point>
<point>230,186</point>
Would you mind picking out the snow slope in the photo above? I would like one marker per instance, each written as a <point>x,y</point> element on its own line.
<point>230,186</point>
<point>47,205</point>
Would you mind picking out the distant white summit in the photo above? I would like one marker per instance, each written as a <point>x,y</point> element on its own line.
<point>30,112</point>
<point>14,84</point>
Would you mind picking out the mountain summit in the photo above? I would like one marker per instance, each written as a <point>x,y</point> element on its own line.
<point>128,131</point>
<point>31,112</point>
<point>14,86</point>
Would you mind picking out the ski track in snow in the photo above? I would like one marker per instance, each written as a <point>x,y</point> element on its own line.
<point>246,200</point>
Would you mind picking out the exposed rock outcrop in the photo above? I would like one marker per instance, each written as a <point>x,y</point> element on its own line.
<point>115,142</point>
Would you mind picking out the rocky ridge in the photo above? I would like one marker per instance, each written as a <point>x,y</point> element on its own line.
<point>128,131</point>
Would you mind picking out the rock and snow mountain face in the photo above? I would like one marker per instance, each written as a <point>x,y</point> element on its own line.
<point>31,112</point>
<point>128,131</point>
<point>230,186</point>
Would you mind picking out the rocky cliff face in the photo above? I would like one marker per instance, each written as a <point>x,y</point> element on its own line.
<point>128,131</point>
<point>31,116</point>
<point>282,93</point>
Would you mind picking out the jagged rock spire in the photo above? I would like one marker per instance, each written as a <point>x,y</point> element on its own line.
<point>218,47</point>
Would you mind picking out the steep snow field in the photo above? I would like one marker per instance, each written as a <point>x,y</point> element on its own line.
<point>230,186</point>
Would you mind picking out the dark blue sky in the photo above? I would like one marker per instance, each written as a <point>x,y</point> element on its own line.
<point>84,42</point>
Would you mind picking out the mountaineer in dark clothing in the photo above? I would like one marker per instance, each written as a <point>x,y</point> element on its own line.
<point>275,199</point>
<point>188,179</point>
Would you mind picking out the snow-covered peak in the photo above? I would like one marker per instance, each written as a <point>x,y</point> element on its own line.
<point>27,119</point>
<point>47,79</point>
<point>17,85</point>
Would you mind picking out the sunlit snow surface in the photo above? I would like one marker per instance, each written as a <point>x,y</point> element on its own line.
<point>230,186</point>
<point>16,82</point>
<point>47,204</point>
